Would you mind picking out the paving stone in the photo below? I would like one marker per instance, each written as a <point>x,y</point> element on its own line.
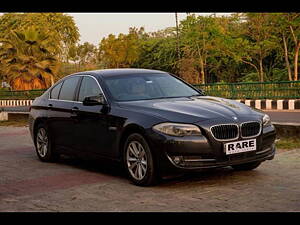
<point>28,185</point>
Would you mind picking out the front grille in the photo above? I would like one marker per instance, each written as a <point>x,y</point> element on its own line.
<point>225,131</point>
<point>250,129</point>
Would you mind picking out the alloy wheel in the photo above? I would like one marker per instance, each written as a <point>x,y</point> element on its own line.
<point>42,142</point>
<point>136,159</point>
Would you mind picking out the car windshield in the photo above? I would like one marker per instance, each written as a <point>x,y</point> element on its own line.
<point>147,86</point>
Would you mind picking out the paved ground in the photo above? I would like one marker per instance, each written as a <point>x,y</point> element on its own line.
<point>280,116</point>
<point>26,184</point>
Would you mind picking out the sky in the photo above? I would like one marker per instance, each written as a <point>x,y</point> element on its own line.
<point>95,26</point>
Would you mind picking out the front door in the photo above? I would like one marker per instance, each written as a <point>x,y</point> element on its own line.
<point>90,121</point>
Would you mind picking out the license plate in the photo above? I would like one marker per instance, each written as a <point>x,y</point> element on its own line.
<point>240,146</point>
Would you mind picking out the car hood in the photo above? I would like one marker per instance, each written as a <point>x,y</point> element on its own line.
<point>192,109</point>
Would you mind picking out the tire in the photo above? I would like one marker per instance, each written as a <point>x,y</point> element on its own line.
<point>139,161</point>
<point>43,144</point>
<point>246,166</point>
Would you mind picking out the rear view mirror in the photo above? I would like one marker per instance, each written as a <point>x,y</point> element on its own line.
<point>94,100</point>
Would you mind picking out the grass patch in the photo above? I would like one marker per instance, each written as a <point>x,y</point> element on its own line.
<point>288,143</point>
<point>15,120</point>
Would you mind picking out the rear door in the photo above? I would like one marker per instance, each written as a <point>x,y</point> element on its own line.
<point>61,111</point>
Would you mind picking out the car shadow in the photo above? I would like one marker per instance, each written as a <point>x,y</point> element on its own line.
<point>105,167</point>
<point>224,176</point>
<point>213,177</point>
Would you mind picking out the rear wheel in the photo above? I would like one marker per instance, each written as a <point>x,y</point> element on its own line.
<point>43,145</point>
<point>246,166</point>
<point>139,161</point>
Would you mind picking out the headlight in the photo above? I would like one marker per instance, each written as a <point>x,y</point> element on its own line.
<point>177,129</point>
<point>266,120</point>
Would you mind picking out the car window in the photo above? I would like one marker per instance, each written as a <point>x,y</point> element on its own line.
<point>147,86</point>
<point>55,91</point>
<point>88,87</point>
<point>68,89</point>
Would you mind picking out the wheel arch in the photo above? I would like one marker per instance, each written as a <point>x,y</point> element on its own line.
<point>128,130</point>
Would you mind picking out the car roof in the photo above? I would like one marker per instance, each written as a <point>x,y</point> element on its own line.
<point>116,72</point>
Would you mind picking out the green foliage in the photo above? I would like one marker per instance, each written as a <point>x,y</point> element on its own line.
<point>157,53</point>
<point>250,77</point>
<point>278,74</point>
<point>121,51</point>
<point>60,27</point>
<point>243,47</point>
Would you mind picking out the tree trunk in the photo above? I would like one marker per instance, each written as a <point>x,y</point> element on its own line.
<point>286,57</point>
<point>296,61</point>
<point>177,38</point>
<point>202,74</point>
<point>261,71</point>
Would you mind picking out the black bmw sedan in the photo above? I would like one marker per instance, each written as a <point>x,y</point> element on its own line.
<point>151,121</point>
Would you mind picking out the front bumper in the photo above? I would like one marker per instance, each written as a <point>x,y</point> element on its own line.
<point>189,163</point>
<point>203,152</point>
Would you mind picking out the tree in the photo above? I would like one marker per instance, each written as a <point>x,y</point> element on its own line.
<point>198,35</point>
<point>282,30</point>
<point>28,60</point>
<point>84,56</point>
<point>250,41</point>
<point>60,28</point>
<point>121,51</point>
<point>157,50</point>
<point>294,26</point>
<point>260,40</point>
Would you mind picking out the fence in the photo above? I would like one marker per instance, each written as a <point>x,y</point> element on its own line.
<point>253,90</point>
<point>20,95</point>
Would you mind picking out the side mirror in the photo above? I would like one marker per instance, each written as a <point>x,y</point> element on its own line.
<point>94,100</point>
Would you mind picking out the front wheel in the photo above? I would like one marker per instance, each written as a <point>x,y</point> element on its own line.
<point>139,161</point>
<point>246,166</point>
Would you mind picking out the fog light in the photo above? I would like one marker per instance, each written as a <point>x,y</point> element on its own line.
<point>177,159</point>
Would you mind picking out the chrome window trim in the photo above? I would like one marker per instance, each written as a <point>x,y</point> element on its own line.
<point>79,75</point>
<point>52,99</point>
<point>232,139</point>
<point>260,129</point>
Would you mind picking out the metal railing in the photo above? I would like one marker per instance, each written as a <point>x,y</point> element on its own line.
<point>253,90</point>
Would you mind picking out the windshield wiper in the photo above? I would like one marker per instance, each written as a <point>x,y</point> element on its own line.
<point>196,95</point>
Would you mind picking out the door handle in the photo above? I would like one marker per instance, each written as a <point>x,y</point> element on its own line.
<point>50,105</point>
<point>75,109</point>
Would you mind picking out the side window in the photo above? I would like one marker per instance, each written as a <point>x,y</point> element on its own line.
<point>88,87</point>
<point>55,91</point>
<point>68,88</point>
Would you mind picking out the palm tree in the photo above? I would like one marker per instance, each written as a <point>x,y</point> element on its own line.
<point>28,60</point>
